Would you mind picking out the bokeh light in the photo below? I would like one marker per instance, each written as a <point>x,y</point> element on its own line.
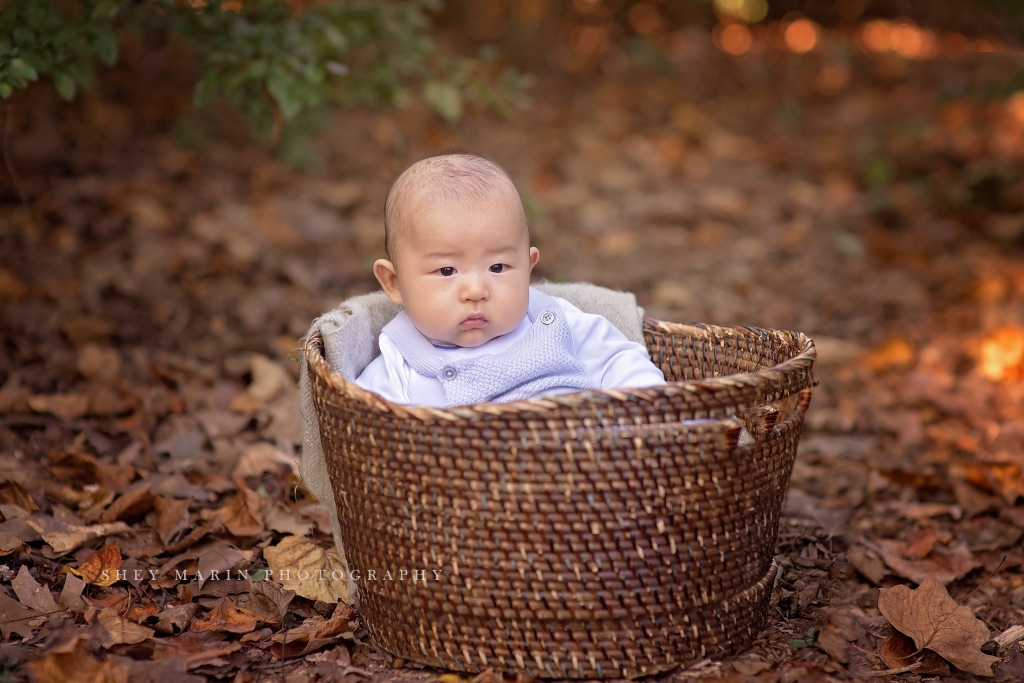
<point>734,39</point>
<point>802,35</point>
<point>1015,105</point>
<point>644,17</point>
<point>749,11</point>
<point>1002,354</point>
<point>902,37</point>
<point>589,40</point>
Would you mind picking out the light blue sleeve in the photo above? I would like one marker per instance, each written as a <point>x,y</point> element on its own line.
<point>611,360</point>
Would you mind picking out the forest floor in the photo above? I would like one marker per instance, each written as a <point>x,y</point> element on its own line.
<point>152,300</point>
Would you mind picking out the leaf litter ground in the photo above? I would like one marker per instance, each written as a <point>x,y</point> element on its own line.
<point>151,303</point>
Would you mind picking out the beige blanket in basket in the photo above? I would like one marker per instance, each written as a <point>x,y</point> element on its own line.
<point>350,334</point>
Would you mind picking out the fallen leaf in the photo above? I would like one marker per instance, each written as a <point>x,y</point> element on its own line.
<point>119,630</point>
<point>269,379</point>
<point>97,362</point>
<point>18,618</point>
<point>176,619</point>
<point>70,662</point>
<point>243,516</point>
<point>140,613</point>
<point>13,493</point>
<point>64,406</point>
<point>312,634</point>
<point>269,600</point>
<point>867,563</point>
<point>898,651</point>
<point>132,504</point>
<point>262,457</point>
<point>893,353</point>
<point>1011,669</point>
<point>946,564</point>
<point>308,570</point>
<point>918,547</point>
<point>9,543</point>
<point>66,538</point>
<point>282,520</point>
<point>227,618</point>
<point>32,593</point>
<point>935,621</point>
<point>71,596</point>
<point>100,568</point>
<point>171,518</point>
<point>78,469</point>
<point>189,643</point>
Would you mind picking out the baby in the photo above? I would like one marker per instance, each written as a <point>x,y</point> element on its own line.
<point>472,329</point>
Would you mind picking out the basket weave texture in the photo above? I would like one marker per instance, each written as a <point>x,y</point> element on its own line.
<point>598,534</point>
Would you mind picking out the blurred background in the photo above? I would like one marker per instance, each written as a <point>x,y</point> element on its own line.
<point>851,169</point>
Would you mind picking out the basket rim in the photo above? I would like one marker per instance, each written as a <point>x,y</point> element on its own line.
<point>800,365</point>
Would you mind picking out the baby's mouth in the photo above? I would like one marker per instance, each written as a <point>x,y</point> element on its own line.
<point>475,321</point>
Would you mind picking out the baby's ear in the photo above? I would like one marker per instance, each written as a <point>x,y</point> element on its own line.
<point>534,256</point>
<point>387,276</point>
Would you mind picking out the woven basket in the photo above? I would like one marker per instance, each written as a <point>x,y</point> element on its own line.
<point>598,534</point>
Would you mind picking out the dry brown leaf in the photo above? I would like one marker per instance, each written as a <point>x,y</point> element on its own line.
<point>13,493</point>
<point>65,538</point>
<point>97,362</point>
<point>176,619</point>
<point>9,543</point>
<point>867,563</point>
<point>32,593</point>
<point>134,503</point>
<point>269,378</point>
<point>100,568</point>
<point>894,353</point>
<point>171,518</point>
<point>946,564</point>
<point>119,630</point>
<point>65,406</point>
<point>310,635</point>
<point>71,596</point>
<point>139,613</point>
<point>270,601</point>
<point>261,457</point>
<point>243,516</point>
<point>936,622</point>
<point>18,618</point>
<point>898,651</point>
<point>78,469</point>
<point>227,618</point>
<point>71,663</point>
<point>308,570</point>
<point>282,520</point>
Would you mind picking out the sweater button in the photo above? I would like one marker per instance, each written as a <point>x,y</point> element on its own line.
<point>449,373</point>
<point>547,318</point>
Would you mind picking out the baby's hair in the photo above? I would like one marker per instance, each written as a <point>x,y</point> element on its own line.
<point>452,177</point>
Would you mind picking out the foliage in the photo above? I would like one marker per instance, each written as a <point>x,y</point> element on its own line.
<point>272,58</point>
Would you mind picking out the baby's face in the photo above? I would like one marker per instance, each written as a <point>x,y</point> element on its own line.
<point>463,274</point>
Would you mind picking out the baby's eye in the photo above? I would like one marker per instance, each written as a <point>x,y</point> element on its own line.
<point>498,268</point>
<point>447,271</point>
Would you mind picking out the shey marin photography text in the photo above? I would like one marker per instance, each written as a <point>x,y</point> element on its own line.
<point>423,575</point>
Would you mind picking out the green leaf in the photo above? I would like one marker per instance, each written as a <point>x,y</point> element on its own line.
<point>105,46</point>
<point>64,85</point>
<point>5,90</point>
<point>206,89</point>
<point>19,68</point>
<point>279,86</point>
<point>105,9</point>
<point>445,98</point>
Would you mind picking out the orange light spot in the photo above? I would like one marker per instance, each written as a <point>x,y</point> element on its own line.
<point>802,35</point>
<point>956,43</point>
<point>876,36</point>
<point>589,40</point>
<point>644,17</point>
<point>735,39</point>
<point>906,41</point>
<point>234,5</point>
<point>1002,354</point>
<point>1015,105</point>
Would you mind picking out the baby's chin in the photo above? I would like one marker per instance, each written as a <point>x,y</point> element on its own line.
<point>471,338</point>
